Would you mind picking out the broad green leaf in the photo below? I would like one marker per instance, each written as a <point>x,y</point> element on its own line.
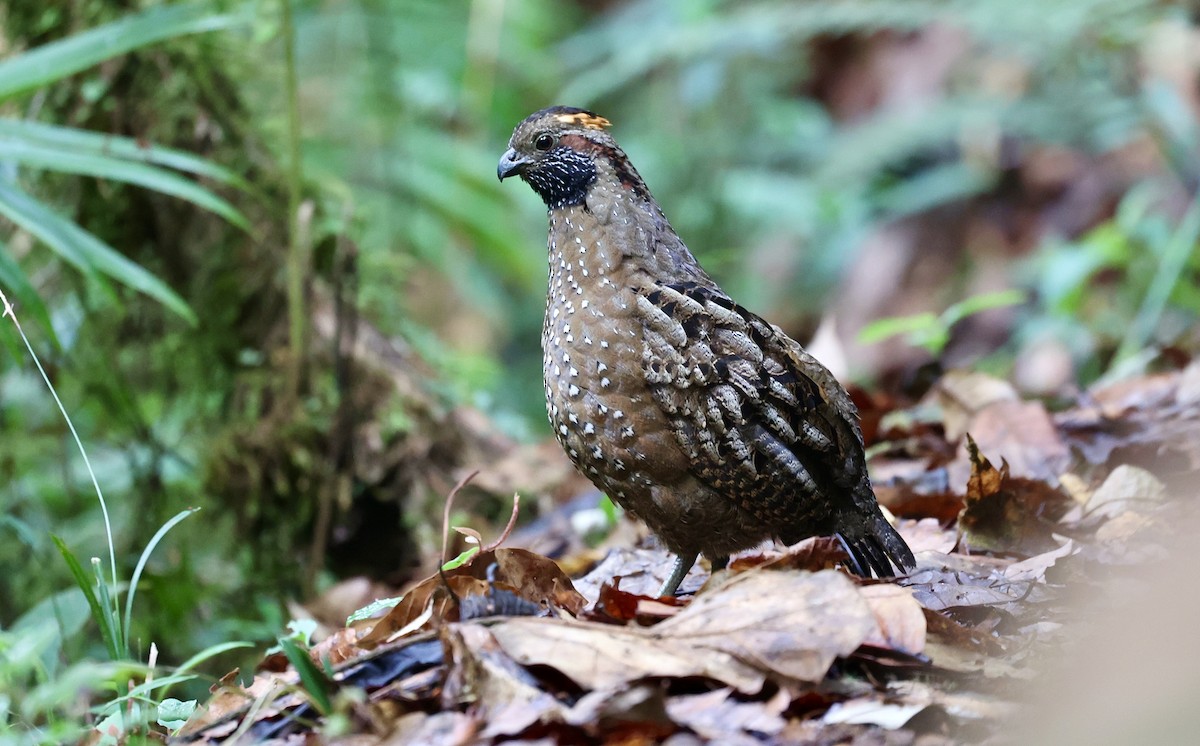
<point>58,59</point>
<point>104,167</point>
<point>83,142</point>
<point>83,250</point>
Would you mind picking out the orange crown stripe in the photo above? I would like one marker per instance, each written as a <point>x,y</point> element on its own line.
<point>584,119</point>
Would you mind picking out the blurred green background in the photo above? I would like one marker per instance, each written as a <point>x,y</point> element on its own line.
<point>869,164</point>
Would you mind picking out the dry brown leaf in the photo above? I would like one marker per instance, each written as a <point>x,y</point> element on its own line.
<point>900,619</point>
<point>527,575</point>
<point>788,623</point>
<point>615,605</point>
<point>601,656</point>
<point>792,623</point>
<point>505,696</point>
<point>1007,514</point>
<point>538,579</point>
<point>446,728</point>
<point>1126,488</point>
<point>216,718</point>
<point>1024,435</point>
<point>416,603</point>
<point>812,554</point>
<point>962,395</point>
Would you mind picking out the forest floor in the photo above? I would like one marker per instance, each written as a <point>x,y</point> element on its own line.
<point>1045,607</point>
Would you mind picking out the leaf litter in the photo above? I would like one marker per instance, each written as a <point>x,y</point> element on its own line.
<point>783,646</point>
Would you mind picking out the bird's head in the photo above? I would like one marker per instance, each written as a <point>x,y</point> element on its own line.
<point>561,151</point>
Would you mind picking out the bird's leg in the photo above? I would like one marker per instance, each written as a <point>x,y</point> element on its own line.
<point>720,563</point>
<point>683,563</point>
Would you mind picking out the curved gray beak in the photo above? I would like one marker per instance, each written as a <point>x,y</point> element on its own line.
<point>510,163</point>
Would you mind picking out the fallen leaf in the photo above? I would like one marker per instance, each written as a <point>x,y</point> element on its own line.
<point>789,624</point>
<point>792,623</point>
<point>872,711</point>
<point>927,535</point>
<point>961,395</point>
<point>519,572</point>
<point>1034,568</point>
<point>538,579</point>
<point>1007,514</point>
<point>719,718</point>
<point>619,606</point>
<point>1126,488</point>
<point>900,619</point>
<point>943,589</point>
<point>601,656</point>
<point>505,696</point>
<point>813,554</point>
<point>641,707</point>
<point>1024,435</point>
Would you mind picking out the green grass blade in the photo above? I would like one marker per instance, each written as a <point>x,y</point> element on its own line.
<point>83,142</point>
<point>314,682</point>
<point>85,584</point>
<point>108,602</point>
<point>105,167</point>
<point>83,250</point>
<point>141,565</point>
<point>58,59</point>
<point>1180,247</point>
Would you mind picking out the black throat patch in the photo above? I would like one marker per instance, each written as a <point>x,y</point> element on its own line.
<point>563,178</point>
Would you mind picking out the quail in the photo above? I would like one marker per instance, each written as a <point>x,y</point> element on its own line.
<point>692,413</point>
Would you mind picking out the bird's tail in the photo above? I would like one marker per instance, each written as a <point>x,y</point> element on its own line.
<point>875,548</point>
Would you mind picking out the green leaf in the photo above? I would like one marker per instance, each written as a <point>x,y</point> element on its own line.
<point>461,559</point>
<point>373,608</point>
<point>99,613</point>
<point>56,60</point>
<point>104,167</point>
<point>141,565</point>
<point>173,713</point>
<point>83,250</point>
<point>311,678</point>
<point>882,329</point>
<point>83,142</point>
<point>981,302</point>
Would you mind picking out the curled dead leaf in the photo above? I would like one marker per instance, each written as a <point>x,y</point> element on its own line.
<point>517,572</point>
<point>1007,514</point>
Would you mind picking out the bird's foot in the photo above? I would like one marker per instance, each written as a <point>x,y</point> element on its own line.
<point>678,573</point>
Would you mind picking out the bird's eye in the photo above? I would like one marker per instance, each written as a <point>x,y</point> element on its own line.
<point>544,141</point>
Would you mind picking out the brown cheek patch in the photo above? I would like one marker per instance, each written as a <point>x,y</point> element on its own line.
<point>620,163</point>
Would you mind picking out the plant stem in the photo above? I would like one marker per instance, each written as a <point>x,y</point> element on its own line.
<point>297,253</point>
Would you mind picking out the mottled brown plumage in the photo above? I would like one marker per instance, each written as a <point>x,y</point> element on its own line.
<point>694,414</point>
